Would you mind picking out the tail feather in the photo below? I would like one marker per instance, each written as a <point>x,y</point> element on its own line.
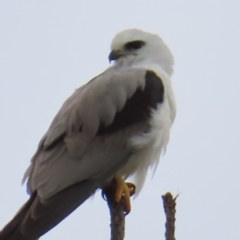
<point>12,226</point>
<point>38,216</point>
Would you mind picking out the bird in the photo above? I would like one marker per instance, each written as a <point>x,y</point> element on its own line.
<point>115,126</point>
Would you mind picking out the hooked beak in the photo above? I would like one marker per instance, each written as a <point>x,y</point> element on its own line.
<point>114,55</point>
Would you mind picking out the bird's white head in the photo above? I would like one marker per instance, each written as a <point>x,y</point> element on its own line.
<point>134,46</point>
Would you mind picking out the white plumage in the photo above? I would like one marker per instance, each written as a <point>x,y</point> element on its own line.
<point>152,145</point>
<point>157,57</point>
<point>117,124</point>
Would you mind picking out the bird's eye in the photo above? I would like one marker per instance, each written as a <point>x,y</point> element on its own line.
<point>135,45</point>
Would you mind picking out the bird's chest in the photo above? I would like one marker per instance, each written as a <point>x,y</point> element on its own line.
<point>149,146</point>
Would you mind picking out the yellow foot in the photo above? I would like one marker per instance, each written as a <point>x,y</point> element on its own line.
<point>123,192</point>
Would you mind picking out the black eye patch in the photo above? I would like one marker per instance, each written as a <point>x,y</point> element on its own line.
<point>135,45</point>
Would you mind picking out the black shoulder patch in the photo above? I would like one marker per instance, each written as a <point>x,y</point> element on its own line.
<point>138,107</point>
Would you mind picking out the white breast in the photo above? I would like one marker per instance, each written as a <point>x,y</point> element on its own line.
<point>151,145</point>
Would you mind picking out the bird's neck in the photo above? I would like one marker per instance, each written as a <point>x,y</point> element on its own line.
<point>125,63</point>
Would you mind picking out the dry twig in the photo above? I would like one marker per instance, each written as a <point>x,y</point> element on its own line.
<point>117,212</point>
<point>169,204</point>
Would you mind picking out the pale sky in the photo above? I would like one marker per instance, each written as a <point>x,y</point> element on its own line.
<point>49,48</point>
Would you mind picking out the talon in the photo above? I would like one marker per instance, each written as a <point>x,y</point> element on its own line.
<point>131,188</point>
<point>103,195</point>
<point>123,193</point>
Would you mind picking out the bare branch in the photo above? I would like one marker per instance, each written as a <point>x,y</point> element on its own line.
<point>169,204</point>
<point>117,212</point>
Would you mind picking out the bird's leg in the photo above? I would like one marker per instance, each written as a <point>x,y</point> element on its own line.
<point>123,192</point>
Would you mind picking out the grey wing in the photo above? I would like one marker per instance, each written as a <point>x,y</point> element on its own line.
<point>73,149</point>
<point>84,146</point>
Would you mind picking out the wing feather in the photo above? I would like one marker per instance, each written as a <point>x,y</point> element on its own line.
<point>86,144</point>
<point>71,151</point>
